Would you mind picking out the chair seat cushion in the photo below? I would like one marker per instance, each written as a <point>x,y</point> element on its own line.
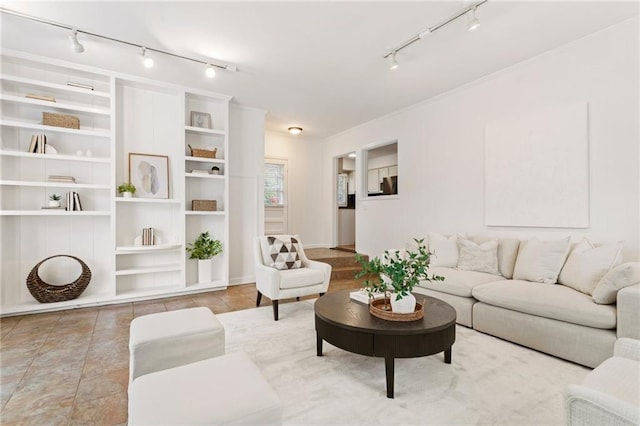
<point>547,300</point>
<point>456,282</point>
<point>302,277</point>
<point>617,377</point>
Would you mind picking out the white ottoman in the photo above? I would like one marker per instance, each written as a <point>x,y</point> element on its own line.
<point>170,339</point>
<point>227,390</point>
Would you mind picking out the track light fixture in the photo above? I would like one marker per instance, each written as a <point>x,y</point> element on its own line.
<point>295,130</point>
<point>472,25</point>
<point>147,60</point>
<point>75,44</point>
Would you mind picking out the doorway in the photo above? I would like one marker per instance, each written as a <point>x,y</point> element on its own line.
<point>346,203</point>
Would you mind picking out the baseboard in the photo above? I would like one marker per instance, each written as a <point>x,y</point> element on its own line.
<point>242,280</point>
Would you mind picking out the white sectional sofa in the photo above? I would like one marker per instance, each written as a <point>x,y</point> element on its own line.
<point>568,300</point>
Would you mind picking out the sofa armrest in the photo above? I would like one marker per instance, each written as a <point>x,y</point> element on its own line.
<point>585,406</point>
<point>627,348</point>
<point>325,268</point>
<point>268,281</point>
<point>628,304</point>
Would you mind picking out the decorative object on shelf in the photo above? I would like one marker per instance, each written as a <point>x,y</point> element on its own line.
<point>54,200</point>
<point>127,189</point>
<point>47,293</point>
<point>215,170</point>
<point>203,153</point>
<point>204,248</point>
<point>150,174</point>
<point>60,120</point>
<point>399,272</point>
<point>204,205</point>
<point>201,119</point>
<point>79,85</point>
<point>41,97</point>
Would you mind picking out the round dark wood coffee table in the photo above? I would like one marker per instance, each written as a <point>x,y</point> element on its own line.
<point>348,325</point>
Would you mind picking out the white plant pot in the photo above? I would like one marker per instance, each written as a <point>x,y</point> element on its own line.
<point>54,203</point>
<point>205,269</point>
<point>406,305</point>
<point>127,194</point>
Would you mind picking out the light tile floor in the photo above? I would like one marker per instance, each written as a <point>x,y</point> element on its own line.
<point>71,367</point>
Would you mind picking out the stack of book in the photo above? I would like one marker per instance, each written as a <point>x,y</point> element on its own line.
<point>200,172</point>
<point>61,178</point>
<point>148,238</point>
<point>364,297</point>
<point>73,201</point>
<point>38,144</point>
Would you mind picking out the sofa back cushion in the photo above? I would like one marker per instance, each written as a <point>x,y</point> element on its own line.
<point>587,264</point>
<point>444,249</point>
<point>621,276</point>
<point>478,257</point>
<point>541,261</point>
<point>507,253</point>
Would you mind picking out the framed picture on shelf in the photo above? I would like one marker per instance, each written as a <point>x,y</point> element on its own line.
<point>201,119</point>
<point>150,175</point>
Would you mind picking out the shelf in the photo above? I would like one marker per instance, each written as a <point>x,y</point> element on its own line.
<point>147,200</point>
<point>217,284</point>
<point>148,292</point>
<point>42,127</point>
<point>52,212</point>
<point>35,306</point>
<point>64,88</point>
<point>146,249</point>
<point>55,105</point>
<point>54,184</point>
<point>204,176</point>
<point>192,129</point>
<point>203,213</point>
<point>205,160</point>
<point>148,270</point>
<point>60,157</point>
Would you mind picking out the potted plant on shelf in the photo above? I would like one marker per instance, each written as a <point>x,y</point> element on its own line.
<point>127,189</point>
<point>54,200</point>
<point>204,248</point>
<point>396,274</point>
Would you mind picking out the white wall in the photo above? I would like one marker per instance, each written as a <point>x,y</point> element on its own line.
<point>441,146</point>
<point>305,183</point>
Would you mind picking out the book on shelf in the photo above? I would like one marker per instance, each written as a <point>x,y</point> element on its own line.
<point>60,178</point>
<point>200,172</point>
<point>41,97</point>
<point>72,200</point>
<point>76,201</point>
<point>38,144</point>
<point>363,297</point>
<point>148,237</point>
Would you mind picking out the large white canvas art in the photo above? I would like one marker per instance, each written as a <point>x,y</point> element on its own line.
<point>537,169</point>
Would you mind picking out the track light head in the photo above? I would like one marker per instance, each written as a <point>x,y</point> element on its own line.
<point>393,62</point>
<point>473,23</point>
<point>75,44</point>
<point>146,60</point>
<point>210,71</point>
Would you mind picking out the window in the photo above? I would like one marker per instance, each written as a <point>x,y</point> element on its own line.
<point>274,184</point>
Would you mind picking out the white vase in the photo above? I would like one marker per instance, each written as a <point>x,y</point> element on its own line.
<point>406,305</point>
<point>127,194</point>
<point>205,267</point>
<point>54,203</point>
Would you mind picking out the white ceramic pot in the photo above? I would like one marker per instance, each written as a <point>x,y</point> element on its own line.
<point>127,194</point>
<point>53,203</point>
<point>205,268</point>
<point>406,305</point>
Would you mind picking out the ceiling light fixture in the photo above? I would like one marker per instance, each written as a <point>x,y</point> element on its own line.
<point>75,44</point>
<point>352,155</point>
<point>146,60</point>
<point>210,71</point>
<point>472,25</point>
<point>77,47</point>
<point>394,63</point>
<point>295,130</point>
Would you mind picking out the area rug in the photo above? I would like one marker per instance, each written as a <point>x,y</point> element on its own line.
<point>489,382</point>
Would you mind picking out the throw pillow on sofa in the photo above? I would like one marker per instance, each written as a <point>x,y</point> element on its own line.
<point>444,249</point>
<point>587,264</point>
<point>478,257</point>
<point>507,253</point>
<point>541,261</point>
<point>621,276</point>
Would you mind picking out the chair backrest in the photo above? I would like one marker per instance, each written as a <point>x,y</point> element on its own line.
<point>261,250</point>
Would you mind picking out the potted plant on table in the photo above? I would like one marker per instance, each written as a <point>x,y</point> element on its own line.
<point>398,272</point>
<point>127,189</point>
<point>203,249</point>
<point>54,200</point>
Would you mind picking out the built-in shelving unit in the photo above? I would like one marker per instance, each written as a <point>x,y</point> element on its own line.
<point>118,115</point>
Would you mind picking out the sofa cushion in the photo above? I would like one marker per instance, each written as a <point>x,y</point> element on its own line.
<point>549,301</point>
<point>301,277</point>
<point>587,264</point>
<point>478,257</point>
<point>444,249</point>
<point>458,283</point>
<point>621,276</point>
<point>507,253</point>
<point>541,261</point>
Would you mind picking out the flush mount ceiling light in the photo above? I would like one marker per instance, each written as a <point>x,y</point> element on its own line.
<point>75,44</point>
<point>148,61</point>
<point>472,25</point>
<point>295,130</point>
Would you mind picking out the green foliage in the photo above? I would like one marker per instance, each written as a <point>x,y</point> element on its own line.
<point>127,187</point>
<point>204,247</point>
<point>395,272</point>
<point>55,197</point>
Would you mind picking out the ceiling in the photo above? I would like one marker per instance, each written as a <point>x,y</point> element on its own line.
<point>318,65</point>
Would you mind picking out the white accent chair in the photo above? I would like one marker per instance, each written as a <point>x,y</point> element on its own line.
<point>312,278</point>
<point>610,394</point>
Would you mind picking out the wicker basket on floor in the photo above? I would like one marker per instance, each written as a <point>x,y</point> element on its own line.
<point>47,293</point>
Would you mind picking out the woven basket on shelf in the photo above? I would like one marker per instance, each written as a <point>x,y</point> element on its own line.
<point>47,293</point>
<point>196,152</point>
<point>204,205</point>
<point>60,120</point>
